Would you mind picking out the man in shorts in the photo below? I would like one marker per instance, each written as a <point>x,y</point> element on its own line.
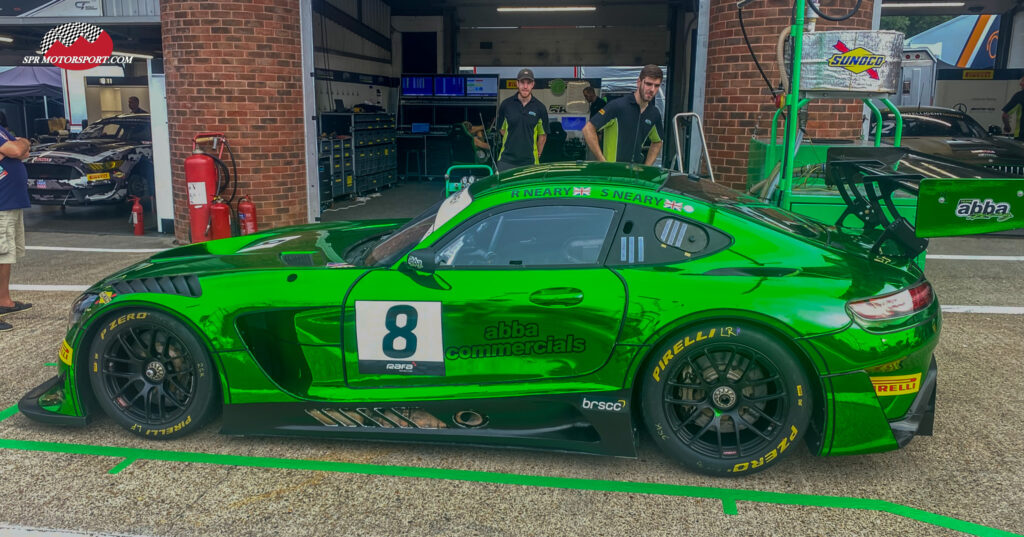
<point>13,201</point>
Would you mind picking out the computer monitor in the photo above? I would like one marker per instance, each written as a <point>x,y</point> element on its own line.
<point>573,123</point>
<point>449,86</point>
<point>417,86</point>
<point>481,86</point>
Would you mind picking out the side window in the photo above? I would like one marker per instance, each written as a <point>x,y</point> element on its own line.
<point>537,236</point>
<point>650,237</point>
<point>138,132</point>
<point>111,130</point>
<point>680,235</point>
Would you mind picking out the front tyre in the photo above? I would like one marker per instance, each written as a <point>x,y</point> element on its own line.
<point>725,399</point>
<point>151,374</point>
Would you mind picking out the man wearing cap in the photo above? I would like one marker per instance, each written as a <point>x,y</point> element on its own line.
<point>628,121</point>
<point>523,123</point>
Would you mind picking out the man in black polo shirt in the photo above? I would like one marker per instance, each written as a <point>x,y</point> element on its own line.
<point>523,123</point>
<point>1016,105</point>
<point>627,122</point>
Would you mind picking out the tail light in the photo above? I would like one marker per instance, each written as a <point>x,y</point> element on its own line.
<point>896,305</point>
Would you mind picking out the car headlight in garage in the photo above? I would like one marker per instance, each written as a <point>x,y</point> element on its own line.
<point>78,308</point>
<point>104,166</point>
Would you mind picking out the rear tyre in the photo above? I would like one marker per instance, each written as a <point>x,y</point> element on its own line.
<point>151,374</point>
<point>725,399</point>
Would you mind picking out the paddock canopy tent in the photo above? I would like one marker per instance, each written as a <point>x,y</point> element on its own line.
<point>31,82</point>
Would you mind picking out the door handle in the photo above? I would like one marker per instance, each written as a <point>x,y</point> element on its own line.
<point>557,296</point>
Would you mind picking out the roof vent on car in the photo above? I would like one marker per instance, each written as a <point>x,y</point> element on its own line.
<point>187,285</point>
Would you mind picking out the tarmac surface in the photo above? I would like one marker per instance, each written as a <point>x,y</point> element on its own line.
<point>964,480</point>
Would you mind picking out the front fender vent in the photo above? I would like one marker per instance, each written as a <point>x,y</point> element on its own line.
<point>169,285</point>
<point>297,259</point>
<point>387,418</point>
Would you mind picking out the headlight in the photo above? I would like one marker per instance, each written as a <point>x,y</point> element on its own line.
<point>78,308</point>
<point>104,166</point>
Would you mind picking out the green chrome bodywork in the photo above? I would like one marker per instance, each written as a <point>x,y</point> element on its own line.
<point>281,333</point>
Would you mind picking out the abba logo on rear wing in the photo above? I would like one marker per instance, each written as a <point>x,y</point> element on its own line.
<point>973,209</point>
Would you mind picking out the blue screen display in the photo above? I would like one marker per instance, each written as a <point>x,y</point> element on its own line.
<point>449,86</point>
<point>417,86</point>
<point>573,123</point>
<point>479,86</point>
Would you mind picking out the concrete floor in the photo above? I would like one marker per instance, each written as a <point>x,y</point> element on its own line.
<point>969,471</point>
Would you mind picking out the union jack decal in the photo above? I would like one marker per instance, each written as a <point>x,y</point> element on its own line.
<point>674,205</point>
<point>580,191</point>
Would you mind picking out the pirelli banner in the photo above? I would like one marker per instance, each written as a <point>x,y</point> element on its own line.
<point>863,62</point>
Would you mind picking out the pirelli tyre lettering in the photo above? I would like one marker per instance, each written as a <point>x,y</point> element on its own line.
<point>151,374</point>
<point>725,398</point>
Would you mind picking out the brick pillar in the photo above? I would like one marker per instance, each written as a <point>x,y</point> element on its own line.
<point>235,66</point>
<point>737,99</point>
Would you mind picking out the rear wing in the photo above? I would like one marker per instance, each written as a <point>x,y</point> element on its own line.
<point>952,198</point>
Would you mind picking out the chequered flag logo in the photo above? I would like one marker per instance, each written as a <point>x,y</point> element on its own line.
<point>76,46</point>
<point>69,33</point>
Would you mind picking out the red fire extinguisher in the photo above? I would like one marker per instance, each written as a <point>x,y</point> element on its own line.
<point>220,219</point>
<point>246,216</point>
<point>136,217</point>
<point>203,174</point>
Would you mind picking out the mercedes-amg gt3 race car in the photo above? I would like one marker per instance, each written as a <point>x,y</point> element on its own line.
<point>560,306</point>
<point>107,162</point>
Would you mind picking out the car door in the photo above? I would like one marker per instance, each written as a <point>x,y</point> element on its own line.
<point>520,294</point>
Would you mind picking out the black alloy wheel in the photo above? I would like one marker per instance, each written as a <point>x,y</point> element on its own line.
<point>151,374</point>
<point>136,186</point>
<point>725,399</point>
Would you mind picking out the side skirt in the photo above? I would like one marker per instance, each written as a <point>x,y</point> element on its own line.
<point>598,423</point>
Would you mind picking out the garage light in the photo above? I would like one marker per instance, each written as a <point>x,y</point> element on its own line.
<point>923,4</point>
<point>545,9</point>
<point>5,39</point>
<point>132,55</point>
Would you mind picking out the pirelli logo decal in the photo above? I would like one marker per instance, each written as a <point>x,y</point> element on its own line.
<point>65,352</point>
<point>901,385</point>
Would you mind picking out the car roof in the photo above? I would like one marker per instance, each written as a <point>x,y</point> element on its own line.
<point>924,110</point>
<point>610,173</point>
<point>125,116</point>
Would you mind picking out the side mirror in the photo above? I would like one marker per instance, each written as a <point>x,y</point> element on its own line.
<point>994,130</point>
<point>422,260</point>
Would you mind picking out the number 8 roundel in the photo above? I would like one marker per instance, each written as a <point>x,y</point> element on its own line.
<point>399,338</point>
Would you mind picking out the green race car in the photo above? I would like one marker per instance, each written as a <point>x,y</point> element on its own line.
<point>560,306</point>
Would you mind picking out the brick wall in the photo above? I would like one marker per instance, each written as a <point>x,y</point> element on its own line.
<point>235,66</point>
<point>737,99</point>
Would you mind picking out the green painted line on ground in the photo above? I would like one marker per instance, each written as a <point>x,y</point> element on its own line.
<point>8,412</point>
<point>53,364</point>
<point>120,466</point>
<point>729,497</point>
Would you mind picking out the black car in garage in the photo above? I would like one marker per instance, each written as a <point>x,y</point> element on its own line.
<point>107,162</point>
<point>945,132</point>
